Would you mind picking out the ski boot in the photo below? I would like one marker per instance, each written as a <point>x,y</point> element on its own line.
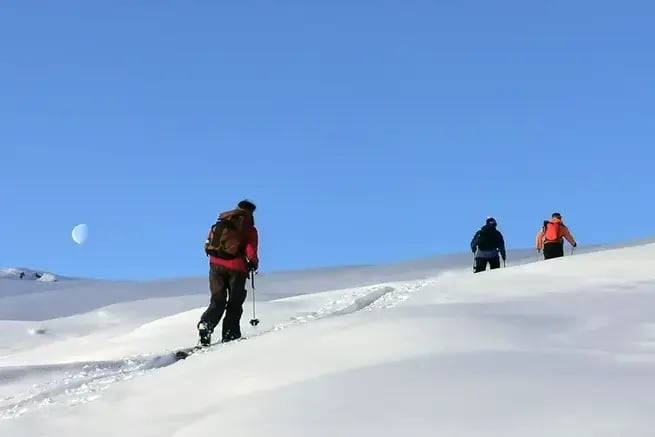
<point>231,334</point>
<point>204,333</point>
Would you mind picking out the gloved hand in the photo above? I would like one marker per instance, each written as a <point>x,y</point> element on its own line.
<point>575,244</point>
<point>252,266</point>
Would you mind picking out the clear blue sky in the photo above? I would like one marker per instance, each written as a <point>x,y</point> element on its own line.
<point>365,131</point>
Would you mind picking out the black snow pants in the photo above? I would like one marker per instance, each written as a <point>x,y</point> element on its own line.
<point>553,250</point>
<point>481,264</point>
<point>228,293</point>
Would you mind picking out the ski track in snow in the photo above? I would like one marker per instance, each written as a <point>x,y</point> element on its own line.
<point>84,382</point>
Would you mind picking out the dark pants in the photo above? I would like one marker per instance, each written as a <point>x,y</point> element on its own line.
<point>228,293</point>
<point>481,264</point>
<point>553,250</point>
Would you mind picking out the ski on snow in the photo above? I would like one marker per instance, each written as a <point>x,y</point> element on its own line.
<point>184,353</point>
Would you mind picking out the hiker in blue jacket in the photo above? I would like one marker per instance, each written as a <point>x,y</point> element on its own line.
<point>488,246</point>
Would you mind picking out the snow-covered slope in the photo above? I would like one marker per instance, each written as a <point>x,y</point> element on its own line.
<point>564,347</point>
<point>25,300</point>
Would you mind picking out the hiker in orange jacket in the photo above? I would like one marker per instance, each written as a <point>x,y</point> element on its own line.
<point>550,237</point>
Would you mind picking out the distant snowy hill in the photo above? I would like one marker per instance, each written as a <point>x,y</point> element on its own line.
<point>27,274</point>
<point>560,348</point>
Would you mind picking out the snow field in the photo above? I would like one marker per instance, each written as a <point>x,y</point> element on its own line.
<point>564,347</point>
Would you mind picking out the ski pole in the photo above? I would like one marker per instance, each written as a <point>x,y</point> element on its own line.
<point>254,321</point>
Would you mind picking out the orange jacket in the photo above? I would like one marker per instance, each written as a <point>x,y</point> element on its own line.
<point>563,233</point>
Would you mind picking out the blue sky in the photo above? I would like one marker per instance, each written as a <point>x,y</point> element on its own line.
<point>365,131</point>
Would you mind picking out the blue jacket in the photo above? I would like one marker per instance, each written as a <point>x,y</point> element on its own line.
<point>488,242</point>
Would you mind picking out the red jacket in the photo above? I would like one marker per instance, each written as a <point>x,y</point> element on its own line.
<point>239,264</point>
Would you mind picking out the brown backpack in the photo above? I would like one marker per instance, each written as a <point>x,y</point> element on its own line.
<point>228,236</point>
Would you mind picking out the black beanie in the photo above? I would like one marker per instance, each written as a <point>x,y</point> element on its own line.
<point>247,205</point>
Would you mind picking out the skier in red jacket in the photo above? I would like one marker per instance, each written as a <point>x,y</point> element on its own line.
<point>230,265</point>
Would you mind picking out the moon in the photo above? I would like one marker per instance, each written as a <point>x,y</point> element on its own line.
<point>80,232</point>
